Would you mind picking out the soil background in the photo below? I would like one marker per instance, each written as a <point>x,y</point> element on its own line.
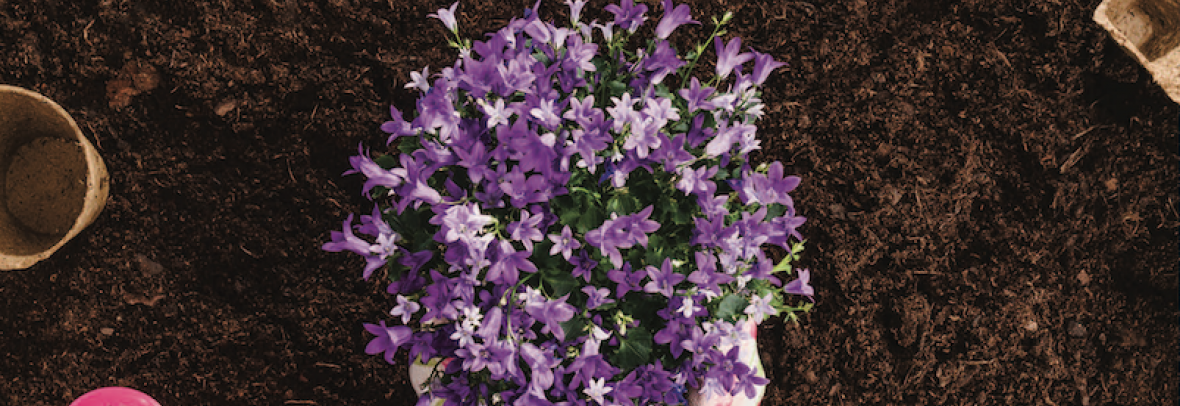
<point>991,187</point>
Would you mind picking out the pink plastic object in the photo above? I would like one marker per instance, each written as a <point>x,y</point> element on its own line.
<point>115,396</point>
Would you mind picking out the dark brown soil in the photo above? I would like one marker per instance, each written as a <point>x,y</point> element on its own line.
<point>991,187</point>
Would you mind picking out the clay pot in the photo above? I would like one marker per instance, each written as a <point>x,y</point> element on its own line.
<point>52,181</point>
<point>1149,30</point>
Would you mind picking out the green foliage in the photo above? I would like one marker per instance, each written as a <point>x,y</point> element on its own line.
<point>731,306</point>
<point>634,349</point>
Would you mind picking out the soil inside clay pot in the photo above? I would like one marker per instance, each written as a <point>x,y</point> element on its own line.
<point>45,185</point>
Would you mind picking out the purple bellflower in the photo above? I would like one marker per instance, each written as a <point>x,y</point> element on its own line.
<point>628,15</point>
<point>728,56</point>
<point>447,16</point>
<point>802,285</point>
<point>500,176</point>
<point>388,340</point>
<point>663,279</point>
<point>673,17</point>
<point>563,243</point>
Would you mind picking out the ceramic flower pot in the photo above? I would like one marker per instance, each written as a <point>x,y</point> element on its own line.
<point>52,182</point>
<point>748,352</point>
<point>748,349</point>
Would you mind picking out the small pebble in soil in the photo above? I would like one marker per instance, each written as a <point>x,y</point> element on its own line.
<point>106,331</point>
<point>1031,325</point>
<point>225,107</point>
<point>147,266</point>
<point>1077,329</point>
<point>1112,185</point>
<point>838,210</point>
<point>810,377</point>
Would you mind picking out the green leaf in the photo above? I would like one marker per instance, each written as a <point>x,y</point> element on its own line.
<point>575,327</point>
<point>586,192</point>
<point>775,210</point>
<point>591,219</point>
<point>655,250</point>
<point>561,282</point>
<point>634,349</point>
<point>622,203</point>
<point>408,145</point>
<point>616,88</point>
<point>386,161</point>
<point>566,209</point>
<point>731,305</point>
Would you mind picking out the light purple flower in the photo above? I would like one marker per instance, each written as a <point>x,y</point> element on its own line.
<point>661,110</point>
<point>672,153</point>
<point>661,62</point>
<point>639,226</point>
<point>597,390</point>
<point>420,81</point>
<point>673,18</point>
<point>541,32</point>
<point>596,296</point>
<point>552,313</point>
<point>672,336</point>
<point>697,180</point>
<point>345,240</point>
<point>496,113</point>
<point>415,190</point>
<point>769,188</point>
<point>388,340</point>
<point>760,307</point>
<point>405,308</point>
<point>696,96</point>
<point>507,269</point>
<point>476,356</point>
<point>644,136</point>
<point>581,54</point>
<point>801,286</point>
<point>462,222</point>
<point>546,113</point>
<point>447,16</point>
<point>763,65</point>
<point>663,279</point>
<point>527,229</point>
<point>524,190</point>
<point>565,243</point>
<point>375,175</point>
<point>575,10</point>
<point>515,75</point>
<point>728,56</point>
<point>397,126</point>
<point>541,364</point>
<point>628,15</point>
<point>627,281</point>
<point>608,238</point>
<point>622,111</point>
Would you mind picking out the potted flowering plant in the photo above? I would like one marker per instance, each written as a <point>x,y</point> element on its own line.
<point>570,218</point>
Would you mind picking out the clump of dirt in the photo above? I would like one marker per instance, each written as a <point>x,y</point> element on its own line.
<point>45,185</point>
